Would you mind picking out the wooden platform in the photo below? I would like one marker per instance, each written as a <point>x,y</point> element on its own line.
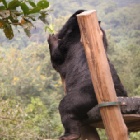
<point>132,122</point>
<point>130,109</point>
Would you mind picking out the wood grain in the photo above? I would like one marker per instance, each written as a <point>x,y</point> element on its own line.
<point>101,76</point>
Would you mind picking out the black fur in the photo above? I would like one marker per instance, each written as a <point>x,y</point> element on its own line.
<point>68,58</point>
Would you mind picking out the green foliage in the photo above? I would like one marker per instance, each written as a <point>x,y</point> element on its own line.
<point>102,134</point>
<point>30,90</point>
<point>132,136</point>
<point>22,13</point>
<point>28,94</point>
<point>14,121</point>
<point>135,136</point>
<point>50,28</point>
<point>24,123</point>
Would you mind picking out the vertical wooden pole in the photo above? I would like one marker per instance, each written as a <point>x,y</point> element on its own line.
<point>101,76</point>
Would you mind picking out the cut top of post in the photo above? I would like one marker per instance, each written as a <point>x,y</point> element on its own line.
<point>85,13</point>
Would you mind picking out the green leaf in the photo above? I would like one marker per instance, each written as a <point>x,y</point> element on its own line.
<point>42,17</point>
<point>8,31</point>
<point>43,4</point>
<point>50,28</point>
<point>2,8</point>
<point>27,27</point>
<point>32,3</point>
<point>13,4</point>
<point>35,10</point>
<point>25,8</point>
<point>13,17</point>
<point>4,3</point>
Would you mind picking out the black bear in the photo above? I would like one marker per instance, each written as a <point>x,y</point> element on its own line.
<point>68,58</point>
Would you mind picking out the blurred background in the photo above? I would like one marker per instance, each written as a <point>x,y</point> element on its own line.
<point>30,90</point>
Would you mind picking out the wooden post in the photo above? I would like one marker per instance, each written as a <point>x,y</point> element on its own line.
<point>101,76</point>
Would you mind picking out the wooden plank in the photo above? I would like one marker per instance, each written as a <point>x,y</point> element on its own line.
<point>128,105</point>
<point>132,121</point>
<point>101,76</point>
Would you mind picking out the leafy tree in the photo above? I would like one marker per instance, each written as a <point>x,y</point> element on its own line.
<point>22,13</point>
<point>18,122</point>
